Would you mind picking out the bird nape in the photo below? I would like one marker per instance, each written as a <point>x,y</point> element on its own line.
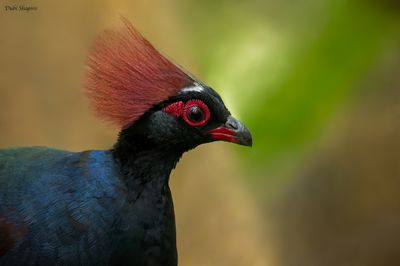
<point>112,207</point>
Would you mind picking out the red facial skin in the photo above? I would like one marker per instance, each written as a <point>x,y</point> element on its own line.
<point>175,109</point>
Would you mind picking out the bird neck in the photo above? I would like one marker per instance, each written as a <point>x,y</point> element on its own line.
<point>142,161</point>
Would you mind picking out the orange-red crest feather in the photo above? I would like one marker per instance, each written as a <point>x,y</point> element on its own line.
<point>127,76</point>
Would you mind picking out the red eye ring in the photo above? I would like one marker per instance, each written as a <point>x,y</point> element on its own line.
<point>180,109</point>
<point>203,107</point>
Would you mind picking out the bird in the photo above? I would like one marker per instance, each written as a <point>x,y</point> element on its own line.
<point>113,206</point>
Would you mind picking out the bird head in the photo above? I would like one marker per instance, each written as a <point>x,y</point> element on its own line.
<point>135,87</point>
<point>194,116</point>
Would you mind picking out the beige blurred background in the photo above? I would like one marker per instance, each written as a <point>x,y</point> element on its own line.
<point>317,83</point>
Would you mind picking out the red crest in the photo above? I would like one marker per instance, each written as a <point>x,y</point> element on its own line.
<point>127,76</point>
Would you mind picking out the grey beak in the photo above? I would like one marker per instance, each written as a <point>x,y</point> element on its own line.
<point>233,131</point>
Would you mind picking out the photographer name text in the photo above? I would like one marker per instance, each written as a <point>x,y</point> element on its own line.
<point>20,8</point>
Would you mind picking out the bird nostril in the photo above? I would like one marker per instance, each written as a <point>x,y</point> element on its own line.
<point>232,124</point>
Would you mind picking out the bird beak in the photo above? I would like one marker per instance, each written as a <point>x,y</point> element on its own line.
<point>232,131</point>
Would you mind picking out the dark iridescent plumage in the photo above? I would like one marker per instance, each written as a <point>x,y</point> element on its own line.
<point>78,209</point>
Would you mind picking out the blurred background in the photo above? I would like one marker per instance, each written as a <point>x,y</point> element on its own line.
<point>317,82</point>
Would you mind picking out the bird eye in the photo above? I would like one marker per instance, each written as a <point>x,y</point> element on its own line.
<point>196,113</point>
